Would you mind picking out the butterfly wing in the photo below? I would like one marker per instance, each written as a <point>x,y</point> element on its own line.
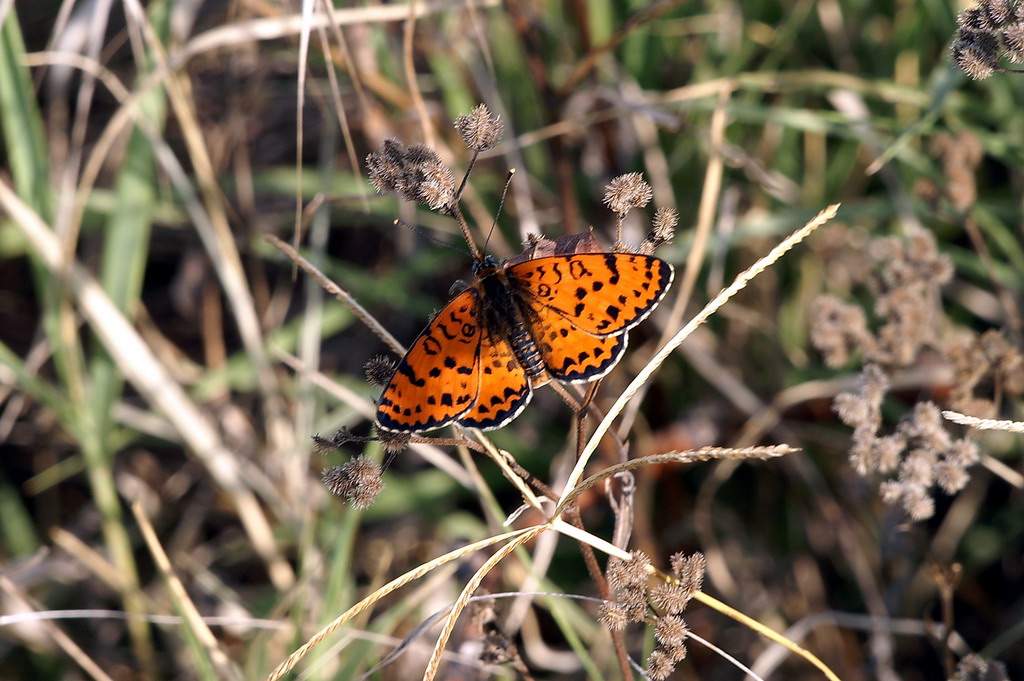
<point>602,294</point>
<point>504,387</point>
<point>438,380</point>
<point>570,354</point>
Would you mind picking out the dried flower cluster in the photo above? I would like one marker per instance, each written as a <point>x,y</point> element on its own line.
<point>358,481</point>
<point>479,130</point>
<point>630,191</point>
<point>906,291</point>
<point>919,452</point>
<point>663,229</point>
<point>626,192</point>
<point>960,156</point>
<point>985,34</point>
<point>629,582</point>
<point>416,173</point>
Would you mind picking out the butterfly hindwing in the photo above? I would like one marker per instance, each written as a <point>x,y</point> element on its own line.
<point>568,353</point>
<point>504,387</point>
<point>603,294</point>
<point>438,380</point>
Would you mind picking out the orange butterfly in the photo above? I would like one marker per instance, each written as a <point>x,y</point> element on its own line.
<point>517,326</point>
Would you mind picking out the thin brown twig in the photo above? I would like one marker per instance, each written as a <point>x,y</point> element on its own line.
<point>338,292</point>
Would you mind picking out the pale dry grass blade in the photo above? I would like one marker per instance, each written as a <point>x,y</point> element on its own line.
<point>460,604</point>
<point>141,367</point>
<point>984,424</point>
<point>226,669</point>
<point>244,33</point>
<point>383,591</point>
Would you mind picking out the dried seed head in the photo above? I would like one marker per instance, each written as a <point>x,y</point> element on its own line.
<point>852,409</point>
<point>663,230</point>
<point>672,598</point>
<point>358,481</point>
<point>975,18</point>
<point>963,453</point>
<point>379,370</point>
<point>999,11</point>
<point>950,477</point>
<point>663,227</point>
<point>416,173</point>
<point>887,452</point>
<point>386,167</point>
<point>393,443</point>
<point>918,468</point>
<point>836,328</point>
<point>627,191</point>
<point>613,615</point>
<point>976,53</point>
<point>660,664</point>
<point>689,570</point>
<point>437,190</point>
<point>478,129</point>
<point>918,504</point>
<point>1013,41</point>
<point>421,155</point>
<point>671,631</point>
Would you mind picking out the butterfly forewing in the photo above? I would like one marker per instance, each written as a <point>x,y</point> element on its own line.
<point>602,294</point>
<point>439,379</point>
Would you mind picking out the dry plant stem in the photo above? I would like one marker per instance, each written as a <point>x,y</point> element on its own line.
<point>502,458</point>
<point>388,588</point>
<point>573,517</point>
<point>339,293</point>
<point>463,600</point>
<point>1010,307</point>
<point>179,596</point>
<point>339,106</point>
<point>466,234</point>
<point>410,76</point>
<point>245,33</point>
<point>300,105</point>
<point>142,369</point>
<point>691,456</point>
<point>350,64</point>
<point>63,641</point>
<point>738,284</point>
<point>771,635</point>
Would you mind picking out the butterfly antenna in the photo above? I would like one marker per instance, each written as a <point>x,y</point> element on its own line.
<point>501,204</point>
<point>427,235</point>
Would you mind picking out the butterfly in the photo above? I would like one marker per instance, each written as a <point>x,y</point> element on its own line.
<point>518,325</point>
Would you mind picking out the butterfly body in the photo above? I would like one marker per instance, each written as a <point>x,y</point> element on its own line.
<point>517,326</point>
